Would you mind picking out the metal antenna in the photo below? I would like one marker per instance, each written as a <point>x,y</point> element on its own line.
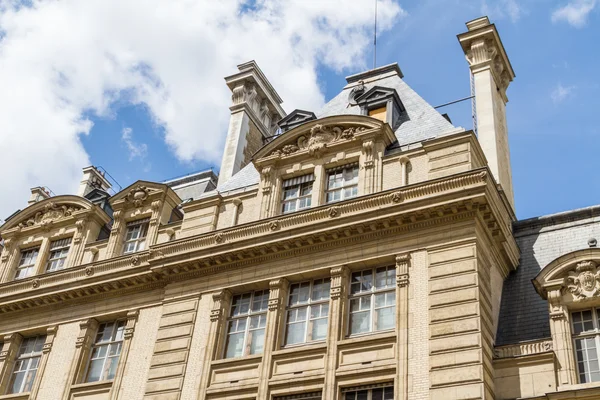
<point>375,39</point>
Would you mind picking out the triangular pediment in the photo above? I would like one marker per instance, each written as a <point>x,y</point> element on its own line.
<point>377,93</point>
<point>295,118</point>
<point>139,192</point>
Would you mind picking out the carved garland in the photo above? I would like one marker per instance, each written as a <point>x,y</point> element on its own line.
<point>52,212</point>
<point>320,136</point>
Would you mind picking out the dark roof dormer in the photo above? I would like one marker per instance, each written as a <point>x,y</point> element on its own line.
<point>296,118</point>
<point>382,103</point>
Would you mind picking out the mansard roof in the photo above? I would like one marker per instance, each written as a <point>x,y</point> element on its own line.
<point>52,209</point>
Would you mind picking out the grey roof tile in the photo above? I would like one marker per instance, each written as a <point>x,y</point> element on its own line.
<point>247,176</point>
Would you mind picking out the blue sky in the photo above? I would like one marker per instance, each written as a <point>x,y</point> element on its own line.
<point>132,126</point>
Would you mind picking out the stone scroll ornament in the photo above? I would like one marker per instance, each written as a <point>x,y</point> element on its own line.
<point>320,136</point>
<point>51,213</point>
<point>584,282</point>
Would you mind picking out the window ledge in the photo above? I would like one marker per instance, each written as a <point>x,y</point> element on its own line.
<point>16,396</point>
<point>90,386</point>
<point>302,347</point>
<point>381,335</point>
<point>242,360</point>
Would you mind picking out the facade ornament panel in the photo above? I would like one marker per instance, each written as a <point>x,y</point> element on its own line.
<point>276,289</point>
<point>51,212</point>
<point>338,277</point>
<point>319,137</point>
<point>137,195</point>
<point>584,282</point>
<point>220,300</point>
<point>402,266</point>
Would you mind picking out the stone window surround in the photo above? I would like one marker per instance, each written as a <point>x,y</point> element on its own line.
<point>43,242</point>
<point>85,341</point>
<point>275,326</point>
<point>11,344</point>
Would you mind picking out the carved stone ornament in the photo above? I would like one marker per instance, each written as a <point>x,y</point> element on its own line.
<point>89,271</point>
<point>219,237</point>
<point>320,136</point>
<point>135,260</point>
<point>137,195</point>
<point>584,282</point>
<point>49,214</point>
<point>274,225</point>
<point>334,212</point>
<point>36,283</point>
<point>397,197</point>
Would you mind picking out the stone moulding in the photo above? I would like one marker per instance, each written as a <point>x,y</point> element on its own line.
<point>185,258</point>
<point>523,349</point>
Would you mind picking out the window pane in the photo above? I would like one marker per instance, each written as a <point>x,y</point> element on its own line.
<point>359,322</point>
<point>17,382</point>
<point>235,345</point>
<point>386,318</point>
<point>260,301</point>
<point>30,378</point>
<point>95,371</point>
<point>295,333</point>
<point>257,342</point>
<point>587,359</point>
<point>319,329</point>
<point>321,289</point>
<point>112,362</point>
<point>582,321</point>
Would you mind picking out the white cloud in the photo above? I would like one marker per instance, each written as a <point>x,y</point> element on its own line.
<point>139,150</point>
<point>62,60</point>
<point>561,93</point>
<point>574,13</point>
<point>503,9</point>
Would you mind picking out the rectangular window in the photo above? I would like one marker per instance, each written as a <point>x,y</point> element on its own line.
<point>379,113</point>
<point>586,337</point>
<point>27,263</point>
<point>373,300</point>
<point>381,393</point>
<point>246,325</point>
<point>104,356</point>
<point>308,309</point>
<point>59,249</point>
<point>297,193</point>
<point>26,364</point>
<point>301,396</point>
<point>135,237</point>
<point>342,183</point>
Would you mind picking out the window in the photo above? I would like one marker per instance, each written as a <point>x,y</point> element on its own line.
<point>26,365</point>
<point>301,396</point>
<point>246,326</point>
<point>135,237</point>
<point>59,249</point>
<point>342,183</point>
<point>297,193</point>
<point>373,300</point>
<point>379,113</point>
<point>27,263</point>
<point>104,357</point>
<point>308,309</point>
<point>382,393</point>
<point>586,337</point>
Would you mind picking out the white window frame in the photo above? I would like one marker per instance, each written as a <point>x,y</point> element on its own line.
<point>58,253</point>
<point>30,361</point>
<point>387,393</point>
<point>388,291</point>
<point>586,336</point>
<point>117,337</point>
<point>28,268</point>
<point>139,242</point>
<point>246,318</point>
<point>297,200</point>
<point>308,306</point>
<point>353,183</point>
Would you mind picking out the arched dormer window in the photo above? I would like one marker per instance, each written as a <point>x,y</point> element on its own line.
<point>571,285</point>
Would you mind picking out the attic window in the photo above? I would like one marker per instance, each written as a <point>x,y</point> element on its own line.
<point>382,103</point>
<point>378,113</point>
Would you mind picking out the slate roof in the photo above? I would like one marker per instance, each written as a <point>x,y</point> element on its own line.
<point>420,122</point>
<point>194,185</point>
<point>523,313</point>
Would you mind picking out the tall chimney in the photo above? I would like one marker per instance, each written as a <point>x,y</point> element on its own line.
<point>492,73</point>
<point>38,193</point>
<point>255,111</point>
<point>92,179</point>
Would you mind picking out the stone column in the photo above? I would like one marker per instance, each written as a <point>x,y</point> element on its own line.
<point>562,342</point>
<point>336,328</point>
<point>404,171</point>
<point>115,244</point>
<point>216,336</point>
<point>50,335</point>
<point>7,358</point>
<point>402,274</point>
<point>132,317</point>
<point>277,295</point>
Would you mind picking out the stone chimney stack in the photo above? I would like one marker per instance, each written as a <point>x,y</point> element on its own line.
<point>255,110</point>
<point>38,194</point>
<point>92,179</point>
<point>492,73</point>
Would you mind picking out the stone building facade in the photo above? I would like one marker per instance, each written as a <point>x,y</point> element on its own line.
<point>369,251</point>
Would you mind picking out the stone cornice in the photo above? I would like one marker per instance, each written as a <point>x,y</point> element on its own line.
<point>523,349</point>
<point>443,201</point>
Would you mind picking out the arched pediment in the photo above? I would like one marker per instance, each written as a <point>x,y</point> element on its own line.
<point>142,192</point>
<point>577,272</point>
<point>314,137</point>
<point>48,211</point>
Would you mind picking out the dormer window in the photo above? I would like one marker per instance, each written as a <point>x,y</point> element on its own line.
<point>27,262</point>
<point>382,103</point>
<point>135,237</point>
<point>297,193</point>
<point>59,250</point>
<point>378,113</point>
<point>342,183</point>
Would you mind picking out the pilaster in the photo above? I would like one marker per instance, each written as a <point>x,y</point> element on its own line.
<point>153,225</point>
<point>336,327</point>
<point>132,317</point>
<point>7,358</point>
<point>87,331</point>
<point>562,342</point>
<point>50,335</point>
<point>115,240</point>
<point>402,312</point>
